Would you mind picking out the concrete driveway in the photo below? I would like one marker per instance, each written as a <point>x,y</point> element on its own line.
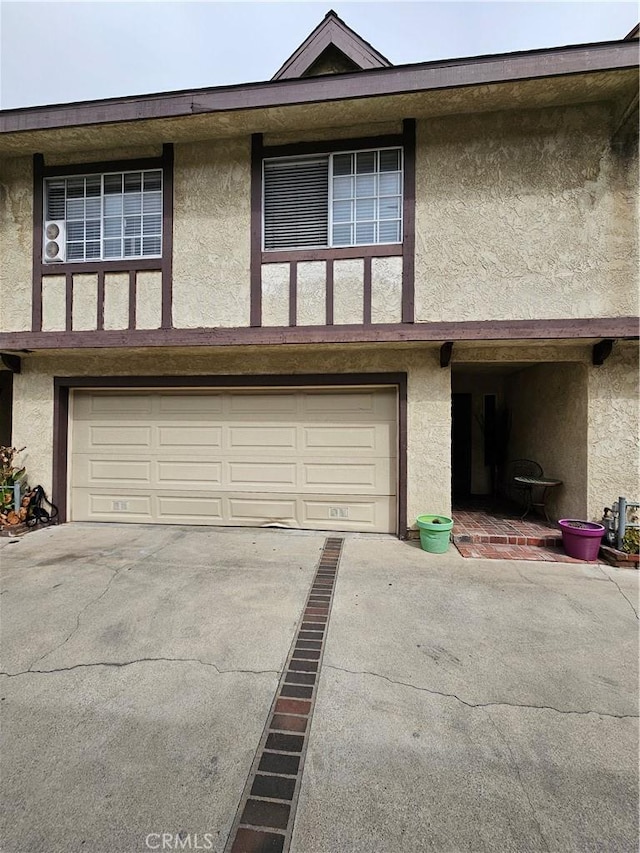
<point>461,704</point>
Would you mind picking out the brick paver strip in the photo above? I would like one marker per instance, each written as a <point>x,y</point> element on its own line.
<point>265,816</point>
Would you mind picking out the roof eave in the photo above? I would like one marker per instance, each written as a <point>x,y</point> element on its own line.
<point>448,74</point>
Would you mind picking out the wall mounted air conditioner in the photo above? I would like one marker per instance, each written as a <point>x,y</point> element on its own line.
<point>54,246</point>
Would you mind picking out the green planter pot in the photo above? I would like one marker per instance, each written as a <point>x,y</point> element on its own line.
<point>435,532</point>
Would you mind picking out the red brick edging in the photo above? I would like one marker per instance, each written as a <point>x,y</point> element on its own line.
<point>265,816</point>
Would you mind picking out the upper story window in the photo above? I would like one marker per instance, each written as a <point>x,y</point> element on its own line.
<point>103,216</point>
<point>350,198</point>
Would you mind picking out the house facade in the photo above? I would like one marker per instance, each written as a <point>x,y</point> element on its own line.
<point>312,302</point>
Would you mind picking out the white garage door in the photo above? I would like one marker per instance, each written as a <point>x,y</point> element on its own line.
<point>315,459</point>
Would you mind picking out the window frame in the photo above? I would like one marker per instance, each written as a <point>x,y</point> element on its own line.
<point>330,155</point>
<point>102,175</point>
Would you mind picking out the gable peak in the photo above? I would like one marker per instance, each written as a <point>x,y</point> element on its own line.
<point>331,48</point>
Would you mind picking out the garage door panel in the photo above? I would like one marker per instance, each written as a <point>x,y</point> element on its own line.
<point>261,475</point>
<point>117,436</point>
<point>262,509</point>
<point>114,471</point>
<point>189,475</point>
<point>262,404</point>
<point>187,509</point>
<point>353,513</point>
<point>182,405</point>
<point>325,476</point>
<point>261,436</point>
<point>354,438</point>
<point>312,459</point>
<point>112,405</point>
<point>192,436</point>
<point>119,506</point>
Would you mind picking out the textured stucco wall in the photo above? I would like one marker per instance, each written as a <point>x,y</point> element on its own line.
<point>548,405</point>
<point>524,214</point>
<point>428,414</point>
<point>16,232</point>
<point>614,418</point>
<point>212,234</point>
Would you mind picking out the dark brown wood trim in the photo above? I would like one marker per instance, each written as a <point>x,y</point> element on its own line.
<point>293,293</point>
<point>601,351</point>
<point>380,250</point>
<point>256,230</point>
<point>474,330</point>
<point>60,452</point>
<point>402,457</point>
<point>409,222</point>
<point>38,214</point>
<point>133,294</point>
<point>63,384</point>
<point>331,31</point>
<point>329,285</point>
<point>167,235</point>
<point>330,146</point>
<point>12,363</point>
<point>366,300</point>
<point>428,76</point>
<point>68,302</point>
<point>445,354</point>
<point>100,307</point>
<point>133,165</point>
<point>123,265</point>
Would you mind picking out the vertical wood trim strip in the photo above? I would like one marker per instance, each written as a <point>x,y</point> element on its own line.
<point>293,293</point>
<point>256,230</point>
<point>100,306</point>
<point>366,308</point>
<point>167,237</point>
<point>60,435</point>
<point>329,282</point>
<point>68,302</point>
<point>36,261</point>
<point>402,457</point>
<point>409,222</point>
<point>132,299</point>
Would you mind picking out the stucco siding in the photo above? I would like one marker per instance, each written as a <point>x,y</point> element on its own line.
<point>16,231</point>
<point>613,419</point>
<point>85,300</point>
<point>524,215</point>
<point>548,406</point>
<point>428,409</point>
<point>212,234</point>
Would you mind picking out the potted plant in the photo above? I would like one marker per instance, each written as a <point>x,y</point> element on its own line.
<point>581,539</point>
<point>11,478</point>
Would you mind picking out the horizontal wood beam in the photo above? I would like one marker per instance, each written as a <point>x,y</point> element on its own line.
<point>476,330</point>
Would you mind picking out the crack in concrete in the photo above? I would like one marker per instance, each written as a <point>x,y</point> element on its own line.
<point>114,575</point>
<point>122,664</point>
<point>609,578</point>
<point>482,704</point>
<point>516,767</point>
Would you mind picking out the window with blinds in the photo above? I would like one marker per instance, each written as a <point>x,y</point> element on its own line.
<point>350,198</point>
<point>108,217</point>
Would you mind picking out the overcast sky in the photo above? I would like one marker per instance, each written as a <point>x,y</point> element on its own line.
<point>53,52</point>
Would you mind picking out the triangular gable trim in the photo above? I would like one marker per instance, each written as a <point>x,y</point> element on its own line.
<point>332,30</point>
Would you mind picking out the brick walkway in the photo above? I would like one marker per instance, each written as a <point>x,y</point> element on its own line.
<point>500,536</point>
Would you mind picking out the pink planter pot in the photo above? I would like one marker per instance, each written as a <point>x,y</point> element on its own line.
<point>582,543</point>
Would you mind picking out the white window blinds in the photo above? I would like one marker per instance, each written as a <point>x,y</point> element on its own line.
<point>296,198</point>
